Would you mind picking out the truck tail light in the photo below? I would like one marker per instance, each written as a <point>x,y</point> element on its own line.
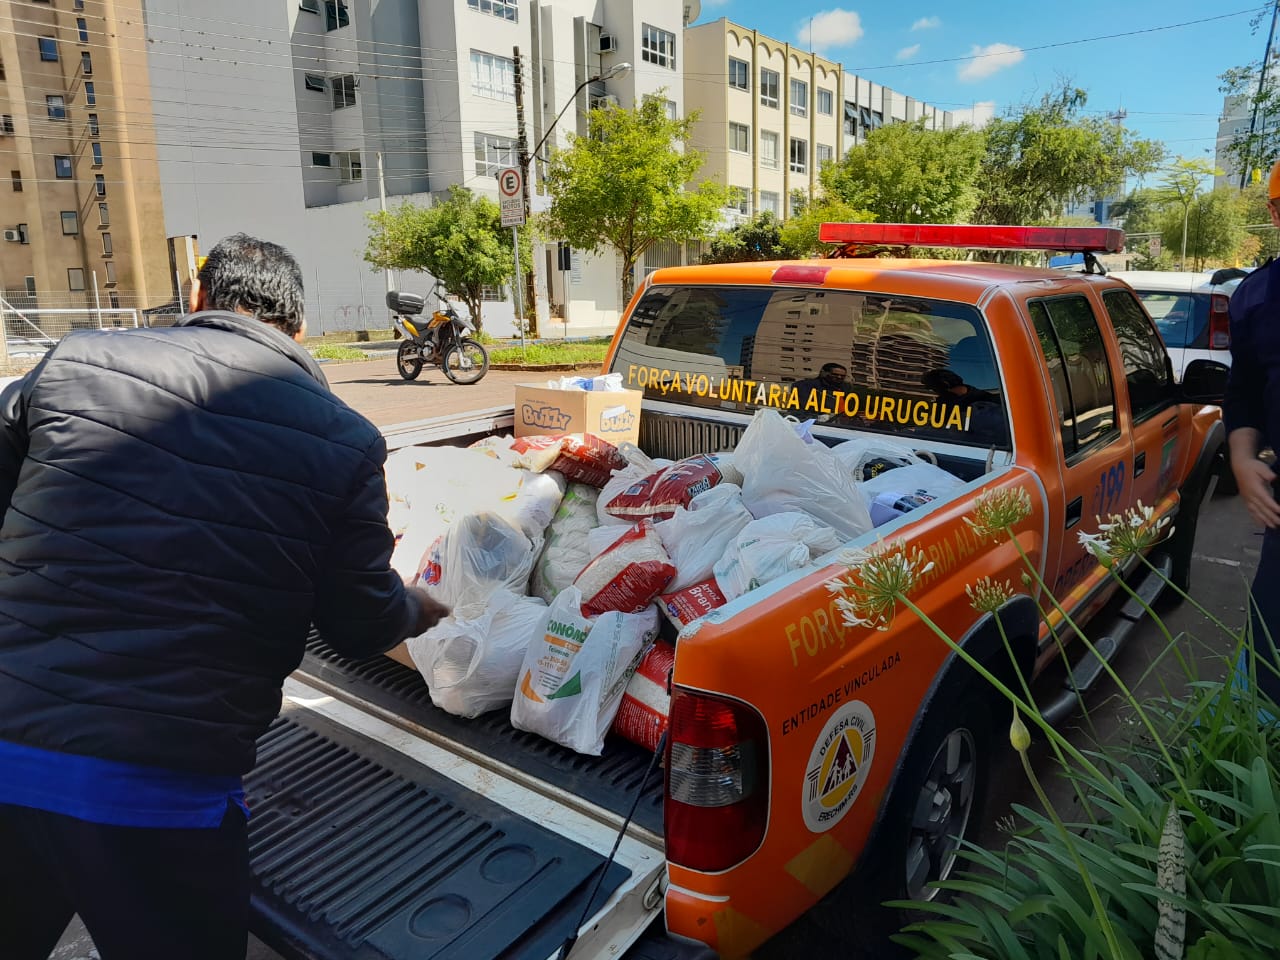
<point>717,796</point>
<point>1219,322</point>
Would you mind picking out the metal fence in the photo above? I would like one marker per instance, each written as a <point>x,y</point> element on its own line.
<point>30,332</point>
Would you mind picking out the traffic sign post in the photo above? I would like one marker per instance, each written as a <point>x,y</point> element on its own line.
<point>511,193</point>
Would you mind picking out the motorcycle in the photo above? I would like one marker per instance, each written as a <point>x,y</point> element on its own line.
<point>442,339</point>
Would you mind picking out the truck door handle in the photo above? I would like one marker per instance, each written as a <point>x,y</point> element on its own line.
<point>1074,511</point>
<point>1140,464</point>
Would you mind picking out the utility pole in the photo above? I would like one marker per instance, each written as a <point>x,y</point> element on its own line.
<point>382,205</point>
<point>1262,83</point>
<point>522,158</point>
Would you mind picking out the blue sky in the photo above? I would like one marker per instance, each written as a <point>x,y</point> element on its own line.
<point>1166,79</point>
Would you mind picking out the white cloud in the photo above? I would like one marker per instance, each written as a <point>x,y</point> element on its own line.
<point>717,3</point>
<point>926,23</point>
<point>829,30</point>
<point>906,53</point>
<point>979,115</point>
<point>990,59</point>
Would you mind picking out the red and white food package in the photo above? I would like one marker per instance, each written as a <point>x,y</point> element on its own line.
<point>582,458</point>
<point>536,453</point>
<point>684,606</point>
<point>628,575</point>
<point>661,492</point>
<point>643,716</point>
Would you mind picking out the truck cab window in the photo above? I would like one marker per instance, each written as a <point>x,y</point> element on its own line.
<point>1146,362</point>
<point>1072,343</point>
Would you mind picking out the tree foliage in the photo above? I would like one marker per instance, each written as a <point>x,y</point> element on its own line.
<point>1256,147</point>
<point>623,187</point>
<point>906,173</point>
<point>759,238</point>
<point>1045,155</point>
<point>800,233</point>
<point>1253,207</point>
<point>1214,224</point>
<point>460,241</point>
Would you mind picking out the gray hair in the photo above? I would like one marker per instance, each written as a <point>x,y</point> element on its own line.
<point>247,275</point>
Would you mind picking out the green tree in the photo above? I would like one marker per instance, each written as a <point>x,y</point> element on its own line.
<point>623,187</point>
<point>1257,147</point>
<point>800,233</point>
<point>906,173</point>
<point>1214,228</point>
<point>759,238</point>
<point>459,241</point>
<point>1044,155</point>
<point>1253,204</point>
<point>1180,187</point>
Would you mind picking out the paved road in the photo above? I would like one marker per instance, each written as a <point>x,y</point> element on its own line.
<point>1227,555</point>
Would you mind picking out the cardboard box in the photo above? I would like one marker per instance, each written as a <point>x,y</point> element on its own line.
<point>400,654</point>
<point>610,415</point>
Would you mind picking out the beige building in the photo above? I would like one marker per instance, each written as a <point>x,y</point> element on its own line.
<point>79,182</point>
<point>772,114</point>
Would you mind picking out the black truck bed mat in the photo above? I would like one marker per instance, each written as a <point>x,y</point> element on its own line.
<point>359,853</point>
<point>609,781</point>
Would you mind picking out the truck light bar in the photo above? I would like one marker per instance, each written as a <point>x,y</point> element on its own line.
<point>1069,239</point>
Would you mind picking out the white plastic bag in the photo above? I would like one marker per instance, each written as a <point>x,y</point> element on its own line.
<point>568,548</point>
<point>867,457</point>
<point>768,548</point>
<point>782,474</point>
<point>574,674</point>
<point>697,536</point>
<point>480,553</point>
<point>471,660</point>
<point>934,481</point>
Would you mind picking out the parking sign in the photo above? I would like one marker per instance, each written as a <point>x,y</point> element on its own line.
<point>511,192</point>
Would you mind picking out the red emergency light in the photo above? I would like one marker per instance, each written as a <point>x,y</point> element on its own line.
<point>1070,239</point>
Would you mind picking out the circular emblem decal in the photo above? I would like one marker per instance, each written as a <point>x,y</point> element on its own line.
<point>838,765</point>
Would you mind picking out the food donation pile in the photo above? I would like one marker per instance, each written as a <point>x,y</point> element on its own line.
<point>561,556</point>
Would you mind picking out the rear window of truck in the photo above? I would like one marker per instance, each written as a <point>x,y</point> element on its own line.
<point>902,366</point>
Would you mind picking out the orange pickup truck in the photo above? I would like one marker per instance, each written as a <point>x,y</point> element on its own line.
<point>811,764</point>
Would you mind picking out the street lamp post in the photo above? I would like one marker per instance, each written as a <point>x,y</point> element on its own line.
<point>524,155</point>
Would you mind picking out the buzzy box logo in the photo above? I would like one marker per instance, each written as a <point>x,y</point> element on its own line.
<point>617,420</point>
<point>545,416</point>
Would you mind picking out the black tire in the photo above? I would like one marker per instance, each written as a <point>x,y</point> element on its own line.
<point>1182,544</point>
<point>408,362</point>
<point>466,361</point>
<point>937,802</point>
<point>1227,486</point>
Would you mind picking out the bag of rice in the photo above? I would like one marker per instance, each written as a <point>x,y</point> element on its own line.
<point>628,575</point>
<point>682,607</point>
<point>646,705</point>
<point>660,493</point>
<point>574,674</point>
<point>568,548</point>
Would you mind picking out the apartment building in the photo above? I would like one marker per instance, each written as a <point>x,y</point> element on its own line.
<point>1234,122</point>
<point>79,204</point>
<point>772,114</point>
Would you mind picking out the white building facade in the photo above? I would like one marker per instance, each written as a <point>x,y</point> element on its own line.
<point>1233,123</point>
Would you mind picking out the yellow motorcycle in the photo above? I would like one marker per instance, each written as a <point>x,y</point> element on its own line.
<point>440,339</point>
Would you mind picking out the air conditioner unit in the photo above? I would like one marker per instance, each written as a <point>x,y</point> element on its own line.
<point>608,43</point>
<point>13,236</point>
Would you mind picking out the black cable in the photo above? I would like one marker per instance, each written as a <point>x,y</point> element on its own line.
<point>572,939</point>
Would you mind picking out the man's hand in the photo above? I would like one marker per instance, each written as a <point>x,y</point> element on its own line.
<point>431,611</point>
<point>1254,477</point>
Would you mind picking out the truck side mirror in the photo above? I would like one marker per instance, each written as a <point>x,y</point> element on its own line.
<point>1204,381</point>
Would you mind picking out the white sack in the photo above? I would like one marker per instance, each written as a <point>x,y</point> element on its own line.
<point>768,548</point>
<point>924,476</point>
<point>568,548</point>
<point>867,457</point>
<point>479,554</point>
<point>574,674</point>
<point>697,536</point>
<point>471,660</point>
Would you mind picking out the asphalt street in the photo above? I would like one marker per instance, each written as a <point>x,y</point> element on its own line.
<point>1226,556</point>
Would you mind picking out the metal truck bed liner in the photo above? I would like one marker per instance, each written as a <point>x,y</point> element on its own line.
<point>609,781</point>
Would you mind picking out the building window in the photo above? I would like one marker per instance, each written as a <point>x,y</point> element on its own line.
<point>111,271</point>
<point>826,102</point>
<point>349,166</point>
<point>739,138</point>
<point>49,49</point>
<point>799,155</point>
<point>493,153</point>
<point>114,299</point>
<point>769,149</point>
<point>104,215</point>
<point>6,123</point>
<point>1,69</point>
<point>86,63</point>
<point>99,185</point>
<point>739,74</point>
<point>336,15</point>
<point>670,107</point>
<point>309,6</point>
<point>799,98</point>
<point>90,94</point>
<point>740,200</point>
<point>825,154</point>
<point>503,9</point>
<point>15,176</point>
<point>70,223</point>
<point>344,91</point>
<point>492,76</point>
<point>82,29</point>
<point>313,81</point>
<point>770,202</point>
<point>75,279</point>
<point>321,160</point>
<point>56,106</point>
<point>851,118</point>
<point>62,167</point>
<point>106,245</point>
<point>96,148</point>
<point>78,4</point>
<point>657,46</point>
<point>93,125</point>
<point>768,88</point>
<point>30,283</point>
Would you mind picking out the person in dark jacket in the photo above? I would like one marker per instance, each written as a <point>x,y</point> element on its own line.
<point>179,507</point>
<point>1251,413</point>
